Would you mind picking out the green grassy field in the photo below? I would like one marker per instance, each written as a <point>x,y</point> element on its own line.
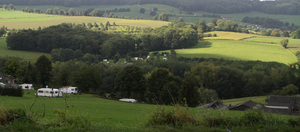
<point>172,10</point>
<point>238,50</point>
<point>26,55</point>
<point>257,99</point>
<point>99,110</point>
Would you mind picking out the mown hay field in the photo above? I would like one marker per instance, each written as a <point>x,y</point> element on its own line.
<point>26,55</point>
<point>239,50</point>
<point>134,11</point>
<point>39,20</point>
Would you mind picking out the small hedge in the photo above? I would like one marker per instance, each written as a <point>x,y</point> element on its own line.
<point>11,91</point>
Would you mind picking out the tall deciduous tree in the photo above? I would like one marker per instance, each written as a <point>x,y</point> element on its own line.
<point>44,67</point>
<point>31,75</point>
<point>88,78</point>
<point>131,82</point>
<point>155,17</point>
<point>284,43</point>
<point>71,11</point>
<point>189,92</point>
<point>164,17</point>
<point>97,12</point>
<point>180,19</point>
<point>11,67</point>
<point>162,86</point>
<point>142,10</point>
<point>4,7</point>
<point>11,6</point>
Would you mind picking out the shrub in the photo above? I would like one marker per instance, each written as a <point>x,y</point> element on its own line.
<point>11,115</point>
<point>176,118</point>
<point>295,122</point>
<point>220,121</point>
<point>11,91</point>
<point>252,117</point>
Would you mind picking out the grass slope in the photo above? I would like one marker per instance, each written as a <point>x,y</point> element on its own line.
<point>257,99</point>
<point>26,55</point>
<point>100,110</point>
<point>172,10</point>
<point>238,50</point>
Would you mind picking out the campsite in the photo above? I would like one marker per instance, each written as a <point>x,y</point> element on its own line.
<point>141,65</point>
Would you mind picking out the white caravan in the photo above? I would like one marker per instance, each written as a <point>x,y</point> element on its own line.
<point>48,92</point>
<point>27,86</point>
<point>128,100</point>
<point>70,90</point>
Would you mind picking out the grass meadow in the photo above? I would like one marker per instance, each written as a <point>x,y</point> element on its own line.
<point>102,111</point>
<point>172,10</point>
<point>238,50</point>
<point>26,55</point>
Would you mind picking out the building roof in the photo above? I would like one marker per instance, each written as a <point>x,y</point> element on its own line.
<point>248,104</point>
<point>288,101</point>
<point>214,105</point>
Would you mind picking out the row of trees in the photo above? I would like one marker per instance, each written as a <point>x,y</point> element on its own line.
<point>264,21</point>
<point>70,12</point>
<point>100,43</point>
<point>289,7</point>
<point>158,81</point>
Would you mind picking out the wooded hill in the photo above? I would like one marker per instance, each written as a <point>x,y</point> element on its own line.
<point>214,6</point>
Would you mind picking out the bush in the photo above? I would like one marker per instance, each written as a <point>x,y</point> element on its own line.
<point>176,118</point>
<point>220,121</point>
<point>11,115</point>
<point>252,117</point>
<point>11,91</point>
<point>295,122</point>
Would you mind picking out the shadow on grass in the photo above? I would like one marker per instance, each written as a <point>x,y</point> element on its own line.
<point>206,55</point>
<point>202,44</point>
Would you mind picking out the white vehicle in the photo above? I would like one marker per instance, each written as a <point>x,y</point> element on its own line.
<point>2,84</point>
<point>128,100</point>
<point>27,86</point>
<point>71,90</point>
<point>48,92</point>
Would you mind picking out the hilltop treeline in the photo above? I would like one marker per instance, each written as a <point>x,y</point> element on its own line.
<point>108,44</point>
<point>155,81</point>
<point>215,6</point>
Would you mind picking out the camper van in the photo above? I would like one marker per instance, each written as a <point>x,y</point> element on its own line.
<point>70,90</point>
<point>27,86</point>
<point>48,92</point>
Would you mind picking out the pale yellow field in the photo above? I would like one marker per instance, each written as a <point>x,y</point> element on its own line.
<point>228,35</point>
<point>39,20</point>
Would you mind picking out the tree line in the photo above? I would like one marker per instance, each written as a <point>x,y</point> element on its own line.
<point>192,80</point>
<point>264,21</point>
<point>288,7</point>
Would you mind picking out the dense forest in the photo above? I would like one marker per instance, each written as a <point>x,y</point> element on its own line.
<point>214,6</point>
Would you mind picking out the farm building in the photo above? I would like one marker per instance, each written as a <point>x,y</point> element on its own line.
<point>7,79</point>
<point>283,105</point>
<point>214,105</point>
<point>245,105</point>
